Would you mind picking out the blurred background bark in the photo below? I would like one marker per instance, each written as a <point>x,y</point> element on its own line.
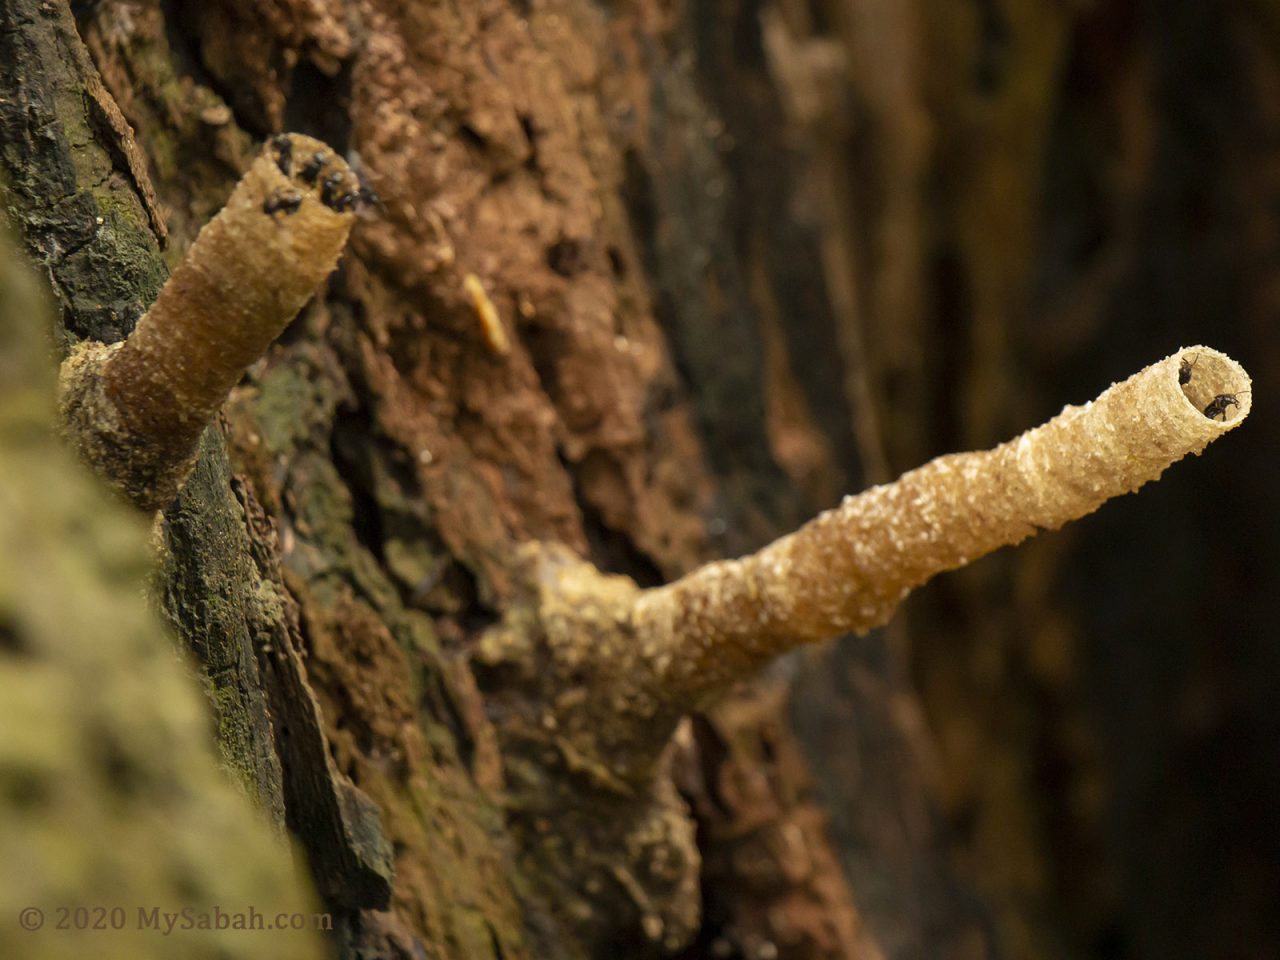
<point>751,255</point>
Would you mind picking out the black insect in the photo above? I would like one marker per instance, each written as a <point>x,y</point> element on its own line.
<point>329,194</point>
<point>347,201</point>
<point>282,201</point>
<point>1217,407</point>
<point>1184,371</point>
<point>283,148</point>
<point>311,169</point>
<point>366,195</point>
<point>355,199</point>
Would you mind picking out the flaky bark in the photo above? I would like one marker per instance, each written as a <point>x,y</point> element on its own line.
<point>655,282</point>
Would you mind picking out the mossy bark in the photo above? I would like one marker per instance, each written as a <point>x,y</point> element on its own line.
<point>120,831</point>
<point>86,225</point>
<point>745,257</point>
<point>330,582</point>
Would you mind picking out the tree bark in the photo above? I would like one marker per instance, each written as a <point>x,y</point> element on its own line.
<point>657,281</point>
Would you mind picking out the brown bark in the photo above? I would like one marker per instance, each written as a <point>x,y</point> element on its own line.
<point>657,281</point>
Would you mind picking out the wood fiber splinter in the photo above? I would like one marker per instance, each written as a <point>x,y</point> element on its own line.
<point>136,409</point>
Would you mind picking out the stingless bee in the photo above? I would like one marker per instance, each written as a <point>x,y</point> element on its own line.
<point>1217,407</point>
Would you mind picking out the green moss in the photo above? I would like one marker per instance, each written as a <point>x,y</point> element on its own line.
<point>449,836</point>
<point>110,794</point>
<point>287,407</point>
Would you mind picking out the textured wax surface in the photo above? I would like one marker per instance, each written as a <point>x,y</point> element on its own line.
<point>850,567</point>
<point>249,272</point>
<point>136,410</point>
<point>592,674</point>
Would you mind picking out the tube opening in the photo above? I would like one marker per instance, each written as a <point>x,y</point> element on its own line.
<point>1214,384</point>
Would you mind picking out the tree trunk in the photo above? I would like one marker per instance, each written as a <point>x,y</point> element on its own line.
<point>744,257</point>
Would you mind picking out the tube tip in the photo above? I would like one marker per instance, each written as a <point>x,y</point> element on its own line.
<point>1215,385</point>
